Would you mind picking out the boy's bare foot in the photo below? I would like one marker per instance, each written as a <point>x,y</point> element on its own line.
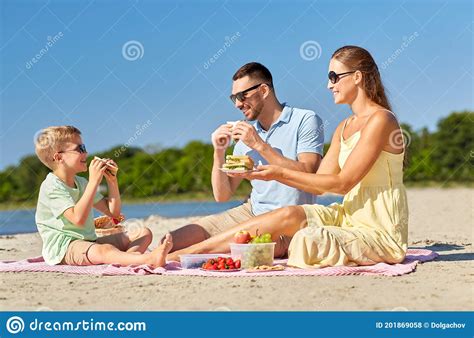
<point>158,256</point>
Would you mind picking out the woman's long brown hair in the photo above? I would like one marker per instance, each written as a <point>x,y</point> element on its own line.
<point>357,58</point>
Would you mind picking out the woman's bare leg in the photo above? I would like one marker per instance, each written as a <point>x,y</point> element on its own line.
<point>284,221</point>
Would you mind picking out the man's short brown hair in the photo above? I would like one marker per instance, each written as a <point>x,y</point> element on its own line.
<point>50,140</point>
<point>254,70</point>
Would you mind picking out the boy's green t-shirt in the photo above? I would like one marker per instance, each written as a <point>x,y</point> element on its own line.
<point>56,231</point>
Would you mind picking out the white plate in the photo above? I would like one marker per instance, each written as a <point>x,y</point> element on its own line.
<point>226,270</point>
<point>233,171</point>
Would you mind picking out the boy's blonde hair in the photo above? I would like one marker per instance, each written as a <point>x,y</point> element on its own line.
<point>49,141</point>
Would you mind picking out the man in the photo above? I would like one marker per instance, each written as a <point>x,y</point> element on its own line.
<point>275,134</point>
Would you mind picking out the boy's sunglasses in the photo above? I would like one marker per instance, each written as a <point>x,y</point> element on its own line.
<point>81,149</point>
<point>241,95</point>
<point>334,78</point>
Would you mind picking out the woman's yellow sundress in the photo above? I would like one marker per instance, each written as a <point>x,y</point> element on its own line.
<point>370,226</point>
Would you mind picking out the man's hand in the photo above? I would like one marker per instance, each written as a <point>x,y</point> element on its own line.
<point>96,171</point>
<point>221,137</point>
<point>246,133</point>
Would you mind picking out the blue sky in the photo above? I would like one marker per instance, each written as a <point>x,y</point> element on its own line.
<point>173,93</point>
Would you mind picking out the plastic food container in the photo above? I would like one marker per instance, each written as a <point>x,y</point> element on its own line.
<point>195,261</point>
<point>252,255</point>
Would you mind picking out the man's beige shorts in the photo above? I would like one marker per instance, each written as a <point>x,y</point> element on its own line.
<point>76,253</point>
<point>215,224</point>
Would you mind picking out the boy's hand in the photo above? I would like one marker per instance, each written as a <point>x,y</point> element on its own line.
<point>108,174</point>
<point>96,171</point>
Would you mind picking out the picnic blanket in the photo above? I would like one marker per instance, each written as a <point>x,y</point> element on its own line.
<point>37,264</point>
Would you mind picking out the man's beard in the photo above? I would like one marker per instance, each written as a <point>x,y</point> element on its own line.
<point>256,111</point>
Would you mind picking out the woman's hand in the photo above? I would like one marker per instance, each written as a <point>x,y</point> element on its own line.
<point>263,172</point>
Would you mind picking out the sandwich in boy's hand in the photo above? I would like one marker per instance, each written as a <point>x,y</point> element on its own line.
<point>240,163</point>
<point>112,169</point>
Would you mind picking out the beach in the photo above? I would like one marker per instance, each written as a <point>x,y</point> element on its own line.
<point>440,220</point>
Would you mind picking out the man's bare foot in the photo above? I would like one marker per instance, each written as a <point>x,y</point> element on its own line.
<point>158,256</point>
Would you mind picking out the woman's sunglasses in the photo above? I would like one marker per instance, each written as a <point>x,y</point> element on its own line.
<point>81,149</point>
<point>241,95</point>
<point>334,78</point>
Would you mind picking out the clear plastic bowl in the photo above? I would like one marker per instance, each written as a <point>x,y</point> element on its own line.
<point>195,261</point>
<point>252,255</point>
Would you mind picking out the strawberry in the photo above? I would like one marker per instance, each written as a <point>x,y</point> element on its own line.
<point>237,264</point>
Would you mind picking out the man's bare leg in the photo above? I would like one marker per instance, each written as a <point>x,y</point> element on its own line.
<point>187,235</point>
<point>285,221</point>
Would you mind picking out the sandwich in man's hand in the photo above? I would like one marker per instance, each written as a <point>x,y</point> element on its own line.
<point>111,169</point>
<point>240,163</point>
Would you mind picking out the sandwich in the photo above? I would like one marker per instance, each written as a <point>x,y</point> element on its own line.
<point>111,169</point>
<point>242,163</point>
<point>105,225</point>
<point>106,222</point>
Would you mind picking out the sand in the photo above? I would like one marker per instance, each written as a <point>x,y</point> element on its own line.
<point>440,220</point>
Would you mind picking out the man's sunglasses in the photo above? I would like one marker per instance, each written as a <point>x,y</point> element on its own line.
<point>241,95</point>
<point>334,78</point>
<point>81,149</point>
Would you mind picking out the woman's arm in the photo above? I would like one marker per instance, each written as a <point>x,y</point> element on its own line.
<point>374,137</point>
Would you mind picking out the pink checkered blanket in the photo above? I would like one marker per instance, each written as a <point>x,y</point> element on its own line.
<point>37,264</point>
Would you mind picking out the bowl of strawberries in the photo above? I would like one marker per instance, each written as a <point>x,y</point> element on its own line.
<point>221,264</point>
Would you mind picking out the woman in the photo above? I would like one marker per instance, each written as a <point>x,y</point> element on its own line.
<point>364,163</point>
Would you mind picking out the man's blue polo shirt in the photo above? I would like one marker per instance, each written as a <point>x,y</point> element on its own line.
<point>296,131</point>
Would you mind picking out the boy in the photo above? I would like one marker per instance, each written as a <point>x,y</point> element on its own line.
<point>64,211</point>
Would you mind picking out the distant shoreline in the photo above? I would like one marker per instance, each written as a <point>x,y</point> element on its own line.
<point>207,197</point>
<point>188,197</point>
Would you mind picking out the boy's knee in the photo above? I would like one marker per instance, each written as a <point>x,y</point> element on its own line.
<point>146,233</point>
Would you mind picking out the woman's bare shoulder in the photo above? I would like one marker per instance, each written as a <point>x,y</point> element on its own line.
<point>383,118</point>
